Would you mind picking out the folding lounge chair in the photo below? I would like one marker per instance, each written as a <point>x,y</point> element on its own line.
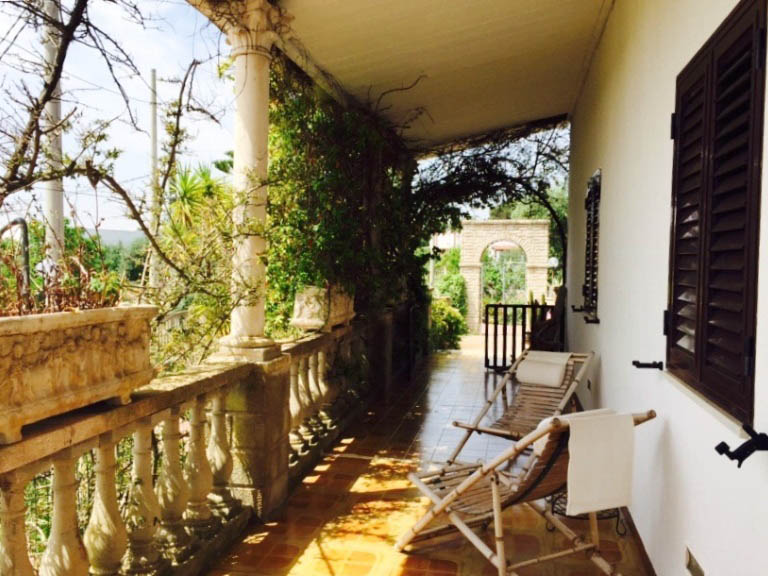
<point>530,404</point>
<point>467,496</point>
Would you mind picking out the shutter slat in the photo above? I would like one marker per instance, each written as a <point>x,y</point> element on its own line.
<point>730,165</point>
<point>737,67</point>
<point>689,172</point>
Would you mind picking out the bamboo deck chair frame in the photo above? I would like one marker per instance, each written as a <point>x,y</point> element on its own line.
<point>530,404</point>
<point>471,495</point>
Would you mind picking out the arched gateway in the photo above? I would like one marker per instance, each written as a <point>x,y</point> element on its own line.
<point>476,235</point>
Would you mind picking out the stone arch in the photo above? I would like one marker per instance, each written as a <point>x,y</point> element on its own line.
<point>477,235</point>
<point>490,246</point>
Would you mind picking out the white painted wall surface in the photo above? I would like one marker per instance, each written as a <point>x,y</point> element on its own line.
<point>685,493</point>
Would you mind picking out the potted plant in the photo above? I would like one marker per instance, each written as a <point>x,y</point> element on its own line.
<point>321,309</point>
<point>57,362</point>
<point>64,341</point>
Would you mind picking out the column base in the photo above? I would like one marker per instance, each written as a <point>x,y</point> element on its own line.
<point>223,504</point>
<point>202,527</point>
<point>246,349</point>
<point>175,542</point>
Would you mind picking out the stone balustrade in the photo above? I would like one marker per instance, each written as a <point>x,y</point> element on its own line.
<point>328,380</point>
<point>165,519</point>
<point>162,485</point>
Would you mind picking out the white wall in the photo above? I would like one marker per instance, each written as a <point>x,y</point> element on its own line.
<point>685,493</point>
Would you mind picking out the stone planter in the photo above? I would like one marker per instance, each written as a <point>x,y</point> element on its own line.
<point>54,363</point>
<point>320,309</point>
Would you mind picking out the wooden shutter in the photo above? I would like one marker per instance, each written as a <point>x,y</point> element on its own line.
<point>687,201</point>
<point>730,257</point>
<point>718,130</point>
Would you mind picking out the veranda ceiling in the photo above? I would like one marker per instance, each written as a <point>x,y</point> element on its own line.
<point>484,64</point>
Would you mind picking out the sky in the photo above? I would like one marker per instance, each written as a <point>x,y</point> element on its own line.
<point>174,35</point>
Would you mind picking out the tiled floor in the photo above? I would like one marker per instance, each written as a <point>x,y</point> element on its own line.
<point>345,517</point>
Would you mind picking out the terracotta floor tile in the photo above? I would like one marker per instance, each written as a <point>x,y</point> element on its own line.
<point>344,518</point>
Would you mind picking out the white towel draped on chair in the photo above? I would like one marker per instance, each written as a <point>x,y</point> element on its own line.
<point>602,450</point>
<point>543,368</point>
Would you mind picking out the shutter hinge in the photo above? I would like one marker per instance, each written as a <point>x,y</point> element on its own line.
<point>749,356</point>
<point>762,47</point>
<point>666,322</point>
<point>673,126</point>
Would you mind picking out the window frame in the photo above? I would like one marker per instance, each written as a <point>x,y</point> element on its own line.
<point>734,392</point>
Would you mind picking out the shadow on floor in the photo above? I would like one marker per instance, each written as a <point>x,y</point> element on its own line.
<point>346,515</point>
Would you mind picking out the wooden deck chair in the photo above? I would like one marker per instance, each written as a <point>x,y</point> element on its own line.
<point>530,404</point>
<point>467,496</point>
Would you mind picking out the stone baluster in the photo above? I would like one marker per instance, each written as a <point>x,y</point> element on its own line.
<point>326,411</point>
<point>198,516</point>
<point>220,458</point>
<point>173,494</point>
<point>298,444</point>
<point>65,554</point>
<point>344,399</point>
<point>141,511</point>
<point>358,351</point>
<point>307,427</point>
<point>322,369</point>
<point>14,560</point>
<point>105,536</point>
<point>349,358</point>
<point>313,381</point>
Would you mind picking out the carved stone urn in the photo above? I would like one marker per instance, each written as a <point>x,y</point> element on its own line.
<point>321,309</point>
<point>54,363</point>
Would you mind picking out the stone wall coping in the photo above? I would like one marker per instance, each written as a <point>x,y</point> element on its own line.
<point>32,323</point>
<point>44,439</point>
<point>315,341</point>
<point>469,223</point>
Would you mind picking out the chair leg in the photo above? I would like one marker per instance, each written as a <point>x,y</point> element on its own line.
<point>594,530</point>
<point>498,528</point>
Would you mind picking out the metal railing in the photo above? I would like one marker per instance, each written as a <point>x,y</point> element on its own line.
<point>508,329</point>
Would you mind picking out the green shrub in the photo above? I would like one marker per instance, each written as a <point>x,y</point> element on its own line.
<point>453,287</point>
<point>447,327</point>
<point>449,281</point>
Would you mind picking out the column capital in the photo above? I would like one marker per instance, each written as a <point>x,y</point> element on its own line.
<point>254,27</point>
<point>251,26</point>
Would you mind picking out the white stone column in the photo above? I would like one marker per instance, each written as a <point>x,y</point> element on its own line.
<point>251,40</point>
<point>53,197</point>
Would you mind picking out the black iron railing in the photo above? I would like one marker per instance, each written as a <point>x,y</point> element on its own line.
<point>508,329</point>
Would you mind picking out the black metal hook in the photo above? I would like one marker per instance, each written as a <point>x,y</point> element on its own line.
<point>653,365</point>
<point>757,442</point>
<point>575,308</point>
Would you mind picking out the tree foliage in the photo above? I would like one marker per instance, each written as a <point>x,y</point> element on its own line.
<point>449,283</point>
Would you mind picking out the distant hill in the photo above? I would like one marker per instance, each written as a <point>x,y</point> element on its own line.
<point>116,237</point>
